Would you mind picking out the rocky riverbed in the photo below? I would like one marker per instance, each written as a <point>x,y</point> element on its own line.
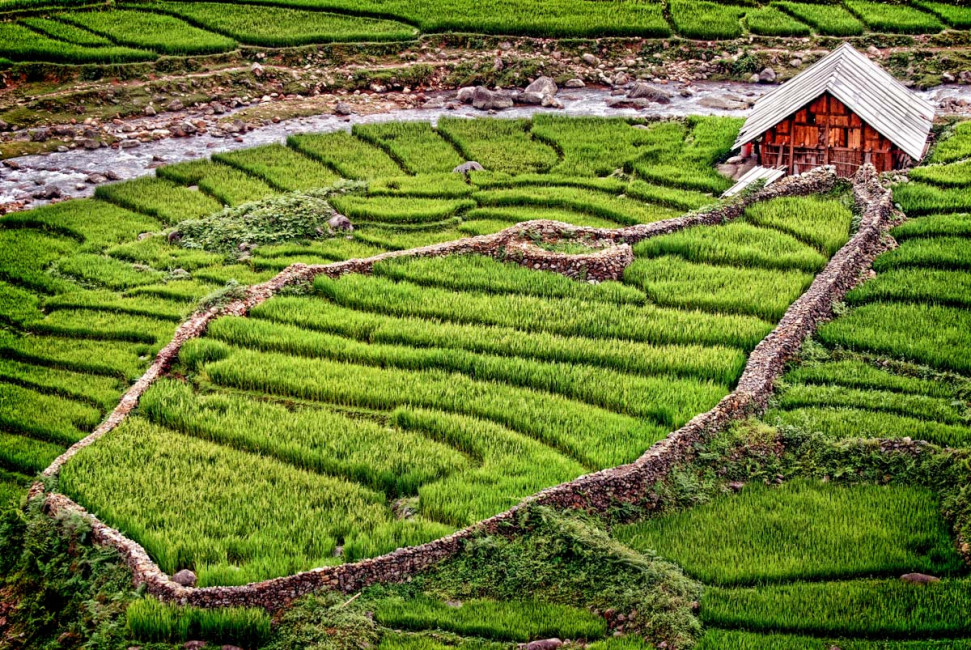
<point>124,149</point>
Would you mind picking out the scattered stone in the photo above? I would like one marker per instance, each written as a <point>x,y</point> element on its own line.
<point>465,94</point>
<point>498,65</point>
<point>230,647</point>
<point>485,100</point>
<point>965,76</point>
<point>575,83</point>
<point>435,102</point>
<point>256,69</point>
<point>129,144</point>
<point>722,103</point>
<point>767,76</point>
<point>754,79</point>
<point>48,193</point>
<point>544,644</point>
<point>96,179</point>
<point>468,166</point>
<point>795,63</point>
<point>873,51</point>
<point>454,604</point>
<point>543,86</point>
<point>919,578</point>
<point>947,78</point>
<point>173,237</point>
<point>4,126</point>
<point>194,645</point>
<point>686,92</point>
<point>735,486</point>
<point>590,59</point>
<point>650,93</point>
<point>531,98</point>
<point>185,577</point>
<point>40,135</point>
<point>340,223</point>
<point>174,105</point>
<point>343,108</point>
<point>217,108</point>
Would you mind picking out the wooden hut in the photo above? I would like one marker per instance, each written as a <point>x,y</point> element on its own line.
<point>845,110</point>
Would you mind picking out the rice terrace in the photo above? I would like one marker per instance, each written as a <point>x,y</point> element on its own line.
<point>420,325</point>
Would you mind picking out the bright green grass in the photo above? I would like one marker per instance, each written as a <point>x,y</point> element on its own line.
<point>280,167</point>
<point>351,157</point>
<point>396,210</point>
<point>96,390</point>
<point>666,400</point>
<point>441,185</point>
<point>46,417</point>
<point>672,197</point>
<point>284,27</point>
<point>26,454</point>
<point>283,519</point>
<point>65,32</point>
<point>719,639</point>
<point>955,146</point>
<point>930,334</point>
<point>821,223</point>
<point>916,285</point>
<point>703,20</point>
<point>937,225</point>
<point>159,198</point>
<point>389,460</point>
<point>894,18</point>
<point>620,209</point>
<point>154,307</point>
<point>711,362</point>
<point>105,325</point>
<point>25,256</point>
<point>591,146</point>
<point>115,359</point>
<point>861,607</point>
<point>20,43</point>
<point>512,215</point>
<point>564,316</point>
<point>843,423</point>
<point>150,620</point>
<point>950,175</point>
<point>770,21</point>
<point>522,620</point>
<point>18,306</point>
<point>802,530</point>
<point>499,145</point>
<point>226,184</point>
<point>151,31</point>
<point>826,19</point>
<point>918,198</point>
<point>738,244</point>
<point>158,253</point>
<point>96,223</point>
<point>101,271</point>
<point>601,438</point>
<point>859,374</point>
<point>672,281</point>
<point>918,406</point>
<point>933,252</point>
<point>398,240</point>
<point>481,273</point>
<point>416,146</point>
<point>508,466</point>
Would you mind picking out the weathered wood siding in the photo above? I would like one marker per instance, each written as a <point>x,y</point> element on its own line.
<point>826,132</point>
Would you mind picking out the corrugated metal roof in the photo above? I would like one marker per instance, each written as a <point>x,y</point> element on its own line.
<point>755,174</point>
<point>868,90</point>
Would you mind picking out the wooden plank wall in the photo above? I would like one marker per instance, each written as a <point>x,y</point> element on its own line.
<point>827,132</point>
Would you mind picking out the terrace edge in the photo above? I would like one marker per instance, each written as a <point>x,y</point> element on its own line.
<point>626,483</point>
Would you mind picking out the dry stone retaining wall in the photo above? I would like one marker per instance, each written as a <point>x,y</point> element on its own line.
<point>627,483</point>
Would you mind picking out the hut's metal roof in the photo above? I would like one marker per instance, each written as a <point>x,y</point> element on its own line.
<point>767,174</point>
<point>868,90</point>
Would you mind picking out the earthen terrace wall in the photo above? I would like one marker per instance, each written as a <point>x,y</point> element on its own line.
<point>630,483</point>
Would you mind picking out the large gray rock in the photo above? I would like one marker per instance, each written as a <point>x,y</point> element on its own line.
<point>722,103</point>
<point>185,577</point>
<point>485,100</point>
<point>767,76</point>
<point>575,83</point>
<point>919,578</point>
<point>543,644</point>
<point>469,166</point>
<point>340,223</point>
<point>531,98</point>
<point>543,86</point>
<point>466,94</point>
<point>650,93</point>
<point>343,108</point>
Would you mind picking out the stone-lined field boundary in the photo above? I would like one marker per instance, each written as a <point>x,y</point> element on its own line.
<point>624,484</point>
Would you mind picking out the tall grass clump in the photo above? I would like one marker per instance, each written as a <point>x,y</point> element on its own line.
<point>591,146</point>
<point>821,223</point>
<point>916,285</point>
<point>226,184</point>
<point>97,224</point>
<point>95,390</point>
<point>861,374</point>
<point>955,146</point>
<point>351,157</point>
<point>618,208</point>
<point>894,18</point>
<point>285,27</point>
<point>827,19</point>
<point>415,145</point>
<point>46,417</point>
<point>917,198</point>
<point>738,244</point>
<point>770,21</point>
<point>159,198</point>
<point>956,174</point>
<point>937,225</point>
<point>499,145</point>
<point>917,406</point>
<point>851,423</point>
<point>397,210</point>
<point>873,608</point>
<point>933,252</point>
<point>500,620</point>
<point>281,167</point>
<point>802,530</point>
<point>25,256</point>
<point>28,455</point>
<point>672,281</point>
<point>151,620</point>
<point>22,44</point>
<point>703,20</point>
<point>151,31</point>
<point>565,316</point>
<point>103,271</point>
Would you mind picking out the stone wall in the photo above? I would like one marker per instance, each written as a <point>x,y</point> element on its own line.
<point>625,484</point>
